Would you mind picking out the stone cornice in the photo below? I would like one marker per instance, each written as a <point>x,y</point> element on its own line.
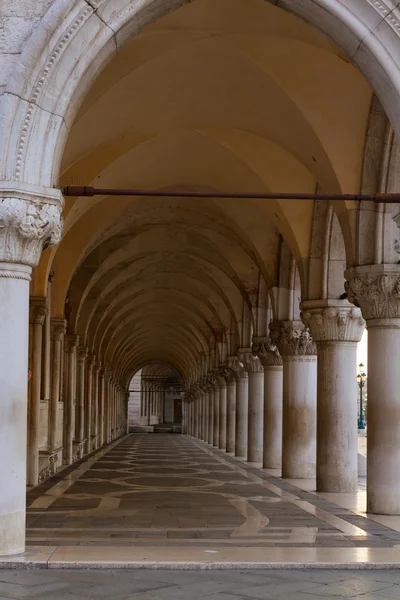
<point>332,320</point>
<point>292,338</point>
<point>375,289</point>
<point>266,351</point>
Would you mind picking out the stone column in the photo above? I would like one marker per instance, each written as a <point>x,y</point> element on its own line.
<point>206,410</point>
<point>96,393</point>
<point>376,290</point>
<point>231,413</point>
<point>210,439</point>
<point>58,329</point>
<point>107,401</point>
<point>38,310</point>
<point>242,403</point>
<point>273,389</point>
<point>101,417</point>
<point>80,396</point>
<point>255,372</point>
<point>299,423</point>
<point>216,412</point>
<point>30,219</point>
<point>196,403</point>
<point>71,345</point>
<point>336,326</point>
<point>222,408</point>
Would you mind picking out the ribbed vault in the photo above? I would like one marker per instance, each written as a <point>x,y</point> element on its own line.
<point>219,95</point>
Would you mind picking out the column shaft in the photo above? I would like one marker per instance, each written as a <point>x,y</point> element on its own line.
<point>14,322</point>
<point>273,390</point>
<point>222,414</point>
<point>231,415</point>
<point>38,309</point>
<point>242,402</point>
<point>58,327</point>
<point>256,417</point>
<point>216,416</point>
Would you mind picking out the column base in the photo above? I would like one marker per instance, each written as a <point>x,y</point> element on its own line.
<point>12,538</point>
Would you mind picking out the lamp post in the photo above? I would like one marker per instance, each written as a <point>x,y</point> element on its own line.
<point>361,379</point>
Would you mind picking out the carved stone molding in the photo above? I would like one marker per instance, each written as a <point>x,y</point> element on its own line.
<point>266,351</point>
<point>332,320</point>
<point>292,338</point>
<point>29,223</point>
<point>375,289</point>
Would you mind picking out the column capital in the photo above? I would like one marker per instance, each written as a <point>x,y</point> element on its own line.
<point>38,309</point>
<point>72,340</point>
<point>30,221</point>
<point>251,362</point>
<point>332,320</point>
<point>91,359</point>
<point>236,364</point>
<point>376,290</point>
<point>266,351</point>
<point>82,354</point>
<point>58,328</point>
<point>292,338</point>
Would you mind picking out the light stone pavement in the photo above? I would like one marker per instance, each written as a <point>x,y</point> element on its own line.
<point>191,585</point>
<point>143,494</point>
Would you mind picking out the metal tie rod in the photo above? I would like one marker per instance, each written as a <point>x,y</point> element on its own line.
<point>71,190</point>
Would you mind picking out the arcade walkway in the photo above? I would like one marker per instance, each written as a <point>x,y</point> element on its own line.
<point>143,493</point>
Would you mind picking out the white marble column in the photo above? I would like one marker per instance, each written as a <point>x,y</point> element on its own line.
<point>255,372</point>
<point>273,391</point>
<point>376,289</point>
<point>336,326</point>
<point>58,329</point>
<point>299,422</point>
<point>231,413</point>
<point>196,404</point>
<point>30,218</point>
<point>242,405</point>
<point>206,410</point>
<point>80,395</point>
<point>71,345</point>
<point>222,410</point>
<point>38,310</point>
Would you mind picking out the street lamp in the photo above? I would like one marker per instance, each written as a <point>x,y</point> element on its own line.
<point>361,379</point>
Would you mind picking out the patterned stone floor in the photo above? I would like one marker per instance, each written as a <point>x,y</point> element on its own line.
<point>171,491</point>
<point>193,585</point>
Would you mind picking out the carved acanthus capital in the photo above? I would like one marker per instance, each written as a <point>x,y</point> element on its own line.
<point>375,289</point>
<point>251,362</point>
<point>237,367</point>
<point>266,351</point>
<point>58,329</point>
<point>30,221</point>
<point>38,309</point>
<point>332,320</point>
<point>97,367</point>
<point>292,338</point>
<point>224,373</point>
<point>71,342</point>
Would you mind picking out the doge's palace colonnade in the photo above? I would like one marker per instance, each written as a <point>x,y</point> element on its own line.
<point>258,307</point>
